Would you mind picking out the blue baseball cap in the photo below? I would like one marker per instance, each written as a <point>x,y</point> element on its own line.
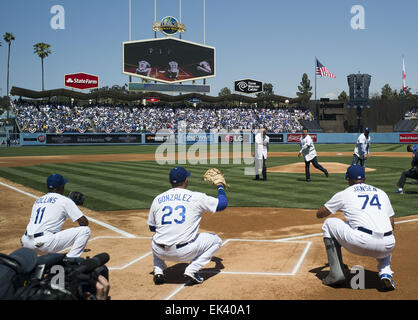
<point>55,180</point>
<point>355,172</point>
<point>366,129</point>
<point>178,174</point>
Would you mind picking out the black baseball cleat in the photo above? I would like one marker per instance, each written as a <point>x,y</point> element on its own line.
<point>326,173</point>
<point>159,279</point>
<point>388,283</point>
<point>308,180</point>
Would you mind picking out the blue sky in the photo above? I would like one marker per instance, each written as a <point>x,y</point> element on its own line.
<point>272,41</point>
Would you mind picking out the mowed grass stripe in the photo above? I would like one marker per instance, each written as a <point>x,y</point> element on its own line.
<point>133,185</point>
<point>150,149</point>
<point>104,180</point>
<point>104,191</point>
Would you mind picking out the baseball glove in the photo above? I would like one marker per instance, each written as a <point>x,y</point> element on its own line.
<point>215,177</point>
<point>77,197</point>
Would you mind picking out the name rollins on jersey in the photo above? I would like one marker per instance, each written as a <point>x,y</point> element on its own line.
<point>46,200</point>
<point>174,197</point>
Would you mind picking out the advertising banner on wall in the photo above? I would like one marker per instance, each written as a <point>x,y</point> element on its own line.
<point>276,137</point>
<point>81,81</point>
<point>27,138</point>
<point>234,137</point>
<point>408,138</point>
<point>295,137</point>
<point>248,86</point>
<point>160,137</point>
<point>61,139</point>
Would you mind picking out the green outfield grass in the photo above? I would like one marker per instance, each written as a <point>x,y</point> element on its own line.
<point>133,185</point>
<point>69,150</point>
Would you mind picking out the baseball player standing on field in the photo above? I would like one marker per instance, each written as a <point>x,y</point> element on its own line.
<point>362,148</point>
<point>307,149</point>
<point>175,217</point>
<point>49,213</point>
<point>260,153</point>
<point>412,172</point>
<point>367,232</point>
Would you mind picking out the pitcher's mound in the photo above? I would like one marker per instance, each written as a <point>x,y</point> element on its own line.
<point>299,167</point>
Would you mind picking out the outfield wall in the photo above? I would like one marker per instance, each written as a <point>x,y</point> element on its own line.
<point>37,139</point>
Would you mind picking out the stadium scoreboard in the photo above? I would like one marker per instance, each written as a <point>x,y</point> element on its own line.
<point>168,60</point>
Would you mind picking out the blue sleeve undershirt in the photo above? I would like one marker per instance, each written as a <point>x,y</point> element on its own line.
<point>222,200</point>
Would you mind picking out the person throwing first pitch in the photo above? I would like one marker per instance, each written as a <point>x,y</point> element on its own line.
<point>175,217</point>
<point>307,149</point>
<point>367,232</point>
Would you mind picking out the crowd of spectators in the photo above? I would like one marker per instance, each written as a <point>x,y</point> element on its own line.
<point>412,114</point>
<point>107,118</point>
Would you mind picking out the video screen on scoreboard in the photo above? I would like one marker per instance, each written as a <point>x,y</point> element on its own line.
<point>168,60</point>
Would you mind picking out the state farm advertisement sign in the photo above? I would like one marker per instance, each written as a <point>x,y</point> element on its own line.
<point>408,138</point>
<point>81,81</point>
<point>295,137</point>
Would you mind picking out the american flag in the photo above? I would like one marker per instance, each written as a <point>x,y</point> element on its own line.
<point>322,71</point>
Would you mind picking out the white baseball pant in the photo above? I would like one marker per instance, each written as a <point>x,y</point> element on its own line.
<point>363,244</point>
<point>76,238</point>
<point>199,252</point>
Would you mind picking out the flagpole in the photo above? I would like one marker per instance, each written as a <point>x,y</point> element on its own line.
<point>316,104</point>
<point>403,89</point>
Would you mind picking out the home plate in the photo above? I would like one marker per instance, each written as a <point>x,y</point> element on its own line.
<point>299,167</point>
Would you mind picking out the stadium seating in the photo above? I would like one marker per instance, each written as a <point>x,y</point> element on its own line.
<point>108,118</point>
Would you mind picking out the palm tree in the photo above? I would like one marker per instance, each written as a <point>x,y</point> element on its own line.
<point>43,50</point>
<point>0,44</point>
<point>8,37</point>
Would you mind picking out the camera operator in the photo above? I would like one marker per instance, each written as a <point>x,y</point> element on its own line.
<point>24,276</point>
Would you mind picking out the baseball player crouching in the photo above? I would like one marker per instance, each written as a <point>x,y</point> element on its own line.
<point>175,218</point>
<point>49,212</point>
<point>367,232</point>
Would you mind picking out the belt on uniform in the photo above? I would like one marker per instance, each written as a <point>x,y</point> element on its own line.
<point>36,235</point>
<point>178,246</point>
<point>371,232</point>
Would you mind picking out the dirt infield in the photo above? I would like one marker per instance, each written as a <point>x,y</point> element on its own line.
<point>37,160</point>
<point>299,167</point>
<point>268,253</point>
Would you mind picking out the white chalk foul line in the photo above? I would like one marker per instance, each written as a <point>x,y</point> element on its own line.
<point>101,223</point>
<point>252,273</point>
<point>131,262</point>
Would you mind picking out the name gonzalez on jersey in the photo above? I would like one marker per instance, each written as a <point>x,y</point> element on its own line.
<point>174,197</point>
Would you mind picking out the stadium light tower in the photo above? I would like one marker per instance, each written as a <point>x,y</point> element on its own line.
<point>204,28</point>
<point>130,27</point>
<point>180,16</point>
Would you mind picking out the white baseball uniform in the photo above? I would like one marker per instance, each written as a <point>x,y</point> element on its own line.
<point>362,146</point>
<point>307,148</point>
<point>43,231</point>
<point>369,209</point>
<point>173,68</point>
<point>260,150</point>
<point>144,67</point>
<point>176,216</point>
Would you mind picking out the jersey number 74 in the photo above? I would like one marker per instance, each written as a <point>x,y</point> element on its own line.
<point>373,202</point>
